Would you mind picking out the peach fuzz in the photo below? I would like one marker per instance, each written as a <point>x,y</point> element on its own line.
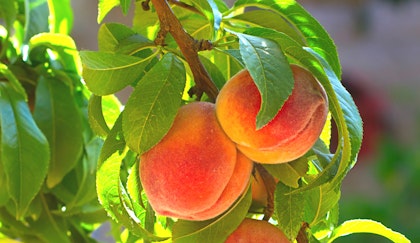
<point>252,231</point>
<point>290,134</point>
<point>195,172</point>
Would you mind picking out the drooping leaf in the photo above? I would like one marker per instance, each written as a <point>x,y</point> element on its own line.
<point>96,116</point>
<point>289,210</point>
<point>314,34</point>
<point>57,116</point>
<point>216,75</point>
<point>367,226</point>
<point>271,73</point>
<point>61,16</point>
<point>36,18</point>
<point>106,73</point>
<point>271,20</point>
<point>289,173</point>
<point>13,81</point>
<point>151,108</point>
<point>25,151</point>
<point>213,230</point>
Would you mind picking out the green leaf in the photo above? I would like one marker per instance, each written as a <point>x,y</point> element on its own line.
<point>319,201</point>
<point>125,5</point>
<point>367,226</point>
<point>24,149</point>
<point>271,20</point>
<point>271,73</point>
<point>67,57</point>
<point>146,23</point>
<point>314,34</point>
<point>214,72</point>
<point>111,193</point>
<point>14,82</point>
<point>289,173</point>
<point>61,16</point>
<point>8,13</point>
<point>213,230</point>
<point>104,6</point>
<point>106,73</point>
<point>57,226</point>
<point>154,103</point>
<point>96,117</point>
<point>57,116</point>
<point>36,18</point>
<point>289,210</point>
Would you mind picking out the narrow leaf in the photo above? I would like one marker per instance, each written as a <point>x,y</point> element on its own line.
<point>25,151</point>
<point>289,210</point>
<point>367,226</point>
<point>271,73</point>
<point>57,116</point>
<point>213,230</point>
<point>96,117</point>
<point>61,16</point>
<point>13,81</point>
<point>106,73</point>
<point>125,5</point>
<point>152,106</point>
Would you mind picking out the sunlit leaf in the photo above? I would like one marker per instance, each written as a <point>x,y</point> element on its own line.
<point>104,7</point>
<point>25,151</point>
<point>61,16</point>
<point>367,226</point>
<point>151,108</point>
<point>271,73</point>
<point>65,47</point>
<point>213,230</point>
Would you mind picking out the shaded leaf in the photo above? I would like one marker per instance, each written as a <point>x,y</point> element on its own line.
<point>36,18</point>
<point>25,151</point>
<point>271,73</point>
<point>289,173</point>
<point>154,103</point>
<point>8,13</point>
<point>58,117</point>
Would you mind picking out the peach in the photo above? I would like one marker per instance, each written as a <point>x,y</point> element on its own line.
<point>195,172</point>
<point>252,230</point>
<point>290,134</point>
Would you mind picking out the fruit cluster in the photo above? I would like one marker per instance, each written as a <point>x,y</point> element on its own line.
<point>204,163</point>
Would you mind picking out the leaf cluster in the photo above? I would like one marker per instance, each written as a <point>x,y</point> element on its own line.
<point>48,152</point>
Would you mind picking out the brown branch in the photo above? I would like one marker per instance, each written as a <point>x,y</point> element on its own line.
<point>302,237</point>
<point>189,48</point>
<point>270,186</point>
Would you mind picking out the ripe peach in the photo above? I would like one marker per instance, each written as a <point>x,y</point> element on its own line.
<point>290,134</point>
<point>252,230</point>
<point>195,172</point>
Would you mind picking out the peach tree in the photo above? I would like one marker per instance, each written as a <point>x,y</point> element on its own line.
<point>70,152</point>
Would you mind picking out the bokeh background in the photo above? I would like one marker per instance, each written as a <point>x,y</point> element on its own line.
<point>379,46</point>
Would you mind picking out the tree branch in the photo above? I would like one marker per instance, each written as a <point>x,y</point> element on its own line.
<point>189,48</point>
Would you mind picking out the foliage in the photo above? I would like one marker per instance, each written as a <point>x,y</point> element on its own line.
<point>48,152</point>
<point>55,158</point>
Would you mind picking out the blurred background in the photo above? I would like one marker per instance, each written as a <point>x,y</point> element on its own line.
<point>379,46</point>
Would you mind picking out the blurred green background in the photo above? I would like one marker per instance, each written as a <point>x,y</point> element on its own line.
<point>378,43</point>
